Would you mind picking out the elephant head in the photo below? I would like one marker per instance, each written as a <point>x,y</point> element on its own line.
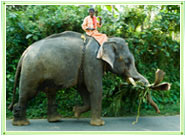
<point>116,53</point>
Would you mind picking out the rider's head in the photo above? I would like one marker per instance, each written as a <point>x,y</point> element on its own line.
<point>91,12</point>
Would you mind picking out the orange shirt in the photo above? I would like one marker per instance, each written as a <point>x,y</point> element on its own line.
<point>88,23</point>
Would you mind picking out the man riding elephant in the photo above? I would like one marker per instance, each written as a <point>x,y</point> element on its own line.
<point>64,60</point>
<point>90,25</point>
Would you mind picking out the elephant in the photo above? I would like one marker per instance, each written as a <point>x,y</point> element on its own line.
<point>65,60</point>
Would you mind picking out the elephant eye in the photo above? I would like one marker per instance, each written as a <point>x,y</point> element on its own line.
<point>127,62</point>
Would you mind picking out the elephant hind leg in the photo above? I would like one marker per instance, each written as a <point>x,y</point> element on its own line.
<point>78,110</point>
<point>19,113</point>
<point>53,115</point>
<point>26,93</point>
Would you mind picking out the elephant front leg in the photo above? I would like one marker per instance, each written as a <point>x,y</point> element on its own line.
<point>78,110</point>
<point>95,90</point>
<point>53,115</point>
<point>93,73</point>
<point>96,102</point>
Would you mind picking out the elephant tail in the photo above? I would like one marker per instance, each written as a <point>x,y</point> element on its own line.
<point>17,75</point>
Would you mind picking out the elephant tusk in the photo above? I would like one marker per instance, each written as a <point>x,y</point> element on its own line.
<point>132,81</point>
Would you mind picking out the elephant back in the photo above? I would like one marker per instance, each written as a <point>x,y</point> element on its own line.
<point>65,34</point>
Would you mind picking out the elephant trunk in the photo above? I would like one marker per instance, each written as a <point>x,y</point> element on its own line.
<point>134,75</point>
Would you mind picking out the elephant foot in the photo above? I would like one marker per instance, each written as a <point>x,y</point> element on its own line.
<point>54,118</point>
<point>97,122</point>
<point>78,110</point>
<point>23,122</point>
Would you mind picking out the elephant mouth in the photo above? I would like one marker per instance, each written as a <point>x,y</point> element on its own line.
<point>135,77</point>
<point>134,80</point>
<point>130,79</point>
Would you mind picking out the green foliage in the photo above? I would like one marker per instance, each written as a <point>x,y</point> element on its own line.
<point>152,33</point>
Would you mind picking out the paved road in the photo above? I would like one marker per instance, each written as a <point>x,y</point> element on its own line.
<point>155,123</point>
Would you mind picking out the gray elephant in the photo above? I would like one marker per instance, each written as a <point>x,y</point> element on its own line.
<point>65,60</point>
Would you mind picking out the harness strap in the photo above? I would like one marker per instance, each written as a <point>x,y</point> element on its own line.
<point>81,70</point>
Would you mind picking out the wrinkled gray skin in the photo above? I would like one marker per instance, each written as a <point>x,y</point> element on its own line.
<point>54,63</point>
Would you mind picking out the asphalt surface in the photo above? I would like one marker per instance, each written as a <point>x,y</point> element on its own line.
<point>150,123</point>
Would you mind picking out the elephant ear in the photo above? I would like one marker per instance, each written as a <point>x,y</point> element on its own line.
<point>107,53</point>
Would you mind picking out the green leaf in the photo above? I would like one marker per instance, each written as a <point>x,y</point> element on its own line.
<point>35,37</point>
<point>116,9</point>
<point>109,7</point>
<point>28,36</point>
